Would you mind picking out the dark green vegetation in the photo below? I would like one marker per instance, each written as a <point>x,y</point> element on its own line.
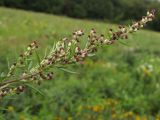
<point>127,73</point>
<point>119,11</point>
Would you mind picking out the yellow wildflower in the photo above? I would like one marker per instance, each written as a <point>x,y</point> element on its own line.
<point>80,108</point>
<point>111,102</point>
<point>158,117</point>
<point>114,115</point>
<point>144,118</point>
<point>58,118</point>
<point>97,108</point>
<point>10,109</point>
<point>69,118</point>
<point>128,114</point>
<point>22,117</point>
<point>138,117</point>
<point>146,72</point>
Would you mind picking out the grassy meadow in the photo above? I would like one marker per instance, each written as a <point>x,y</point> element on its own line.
<point>122,82</point>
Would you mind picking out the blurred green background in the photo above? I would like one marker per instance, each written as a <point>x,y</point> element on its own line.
<point>122,82</point>
<point>118,11</point>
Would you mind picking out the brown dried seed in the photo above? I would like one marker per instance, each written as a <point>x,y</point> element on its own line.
<point>21,55</point>
<point>20,88</point>
<point>14,63</point>
<point>34,42</point>
<point>21,62</point>
<point>110,29</point>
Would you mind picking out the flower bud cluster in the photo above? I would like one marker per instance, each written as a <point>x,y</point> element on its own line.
<point>140,24</point>
<point>16,90</point>
<point>56,55</point>
<point>62,52</point>
<point>22,58</point>
<point>48,76</point>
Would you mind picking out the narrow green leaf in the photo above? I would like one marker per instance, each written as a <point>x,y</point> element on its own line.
<point>123,43</point>
<point>35,89</point>
<point>8,63</point>
<point>66,70</point>
<point>46,52</point>
<point>38,58</point>
<point>30,65</point>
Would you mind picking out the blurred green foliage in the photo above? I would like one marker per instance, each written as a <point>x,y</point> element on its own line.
<point>127,73</point>
<point>117,11</point>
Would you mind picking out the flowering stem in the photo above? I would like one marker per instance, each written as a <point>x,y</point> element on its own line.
<point>67,51</point>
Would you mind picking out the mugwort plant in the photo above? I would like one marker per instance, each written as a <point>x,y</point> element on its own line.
<point>66,51</point>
